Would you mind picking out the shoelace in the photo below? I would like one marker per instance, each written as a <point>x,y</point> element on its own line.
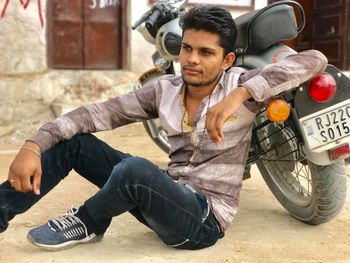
<point>67,220</point>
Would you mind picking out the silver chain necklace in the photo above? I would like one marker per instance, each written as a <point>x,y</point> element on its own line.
<point>195,148</point>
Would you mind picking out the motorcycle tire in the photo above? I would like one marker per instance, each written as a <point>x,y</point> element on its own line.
<point>325,199</point>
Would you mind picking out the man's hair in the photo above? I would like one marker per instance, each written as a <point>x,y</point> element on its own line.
<point>214,20</point>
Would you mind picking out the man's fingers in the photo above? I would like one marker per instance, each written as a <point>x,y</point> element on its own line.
<point>17,185</point>
<point>214,136</point>
<point>220,121</point>
<point>210,126</point>
<point>37,181</point>
<point>12,182</point>
<point>18,181</point>
<point>11,177</point>
<point>215,122</point>
<point>26,184</point>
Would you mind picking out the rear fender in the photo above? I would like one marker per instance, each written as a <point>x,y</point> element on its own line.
<point>304,106</point>
<point>321,158</point>
<point>273,54</point>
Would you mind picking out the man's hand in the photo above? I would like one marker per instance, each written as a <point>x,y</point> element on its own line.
<point>218,114</point>
<point>25,170</point>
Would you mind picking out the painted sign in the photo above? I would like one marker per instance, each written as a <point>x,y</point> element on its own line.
<point>25,4</point>
<point>103,3</point>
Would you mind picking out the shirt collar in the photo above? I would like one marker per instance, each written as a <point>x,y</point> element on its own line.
<point>221,82</point>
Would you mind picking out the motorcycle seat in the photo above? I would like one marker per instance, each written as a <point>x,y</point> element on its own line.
<point>270,27</point>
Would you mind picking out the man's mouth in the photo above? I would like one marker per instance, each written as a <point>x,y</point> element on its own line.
<point>191,70</point>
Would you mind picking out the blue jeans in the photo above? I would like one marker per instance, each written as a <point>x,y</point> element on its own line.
<point>181,218</point>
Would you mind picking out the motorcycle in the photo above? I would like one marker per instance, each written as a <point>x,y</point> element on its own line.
<point>300,157</point>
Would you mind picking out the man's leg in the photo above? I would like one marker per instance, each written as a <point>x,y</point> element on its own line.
<point>180,217</point>
<point>89,156</point>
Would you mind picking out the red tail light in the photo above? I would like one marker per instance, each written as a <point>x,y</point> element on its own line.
<point>339,152</point>
<point>322,88</point>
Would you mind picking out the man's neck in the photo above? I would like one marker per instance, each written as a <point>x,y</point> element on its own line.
<point>198,93</point>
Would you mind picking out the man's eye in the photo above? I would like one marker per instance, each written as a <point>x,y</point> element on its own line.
<point>206,52</point>
<point>186,48</point>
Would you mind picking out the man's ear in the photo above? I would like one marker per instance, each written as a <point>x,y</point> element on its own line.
<point>228,60</point>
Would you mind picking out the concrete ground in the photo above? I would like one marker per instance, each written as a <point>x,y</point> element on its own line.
<point>261,232</point>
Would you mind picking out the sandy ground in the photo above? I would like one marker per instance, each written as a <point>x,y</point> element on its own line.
<point>261,232</point>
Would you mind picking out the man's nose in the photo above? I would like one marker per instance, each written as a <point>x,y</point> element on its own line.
<point>193,58</point>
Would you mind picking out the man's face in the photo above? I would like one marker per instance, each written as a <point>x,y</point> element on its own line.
<point>201,58</point>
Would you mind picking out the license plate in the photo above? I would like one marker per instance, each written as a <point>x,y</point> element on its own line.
<point>327,127</point>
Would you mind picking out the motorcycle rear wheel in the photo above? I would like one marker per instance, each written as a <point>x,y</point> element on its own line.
<point>311,193</point>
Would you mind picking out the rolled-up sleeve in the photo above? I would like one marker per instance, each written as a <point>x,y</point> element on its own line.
<point>287,74</point>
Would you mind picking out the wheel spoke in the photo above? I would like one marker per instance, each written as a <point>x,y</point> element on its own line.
<point>298,180</point>
<point>303,177</point>
<point>282,157</point>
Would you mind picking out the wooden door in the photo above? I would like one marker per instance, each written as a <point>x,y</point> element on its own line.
<point>327,29</point>
<point>330,27</point>
<point>87,34</point>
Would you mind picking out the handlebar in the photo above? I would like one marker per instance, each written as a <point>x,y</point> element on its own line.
<point>160,8</point>
<point>152,19</point>
<point>141,20</point>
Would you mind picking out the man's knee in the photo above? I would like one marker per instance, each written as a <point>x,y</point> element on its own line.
<point>80,139</point>
<point>75,143</point>
<point>133,170</point>
<point>65,150</point>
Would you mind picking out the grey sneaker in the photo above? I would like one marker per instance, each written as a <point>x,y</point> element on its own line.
<point>62,232</point>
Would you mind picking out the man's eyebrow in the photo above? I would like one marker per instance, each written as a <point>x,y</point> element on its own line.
<point>201,48</point>
<point>207,49</point>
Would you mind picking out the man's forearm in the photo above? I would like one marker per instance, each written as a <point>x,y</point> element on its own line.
<point>91,118</point>
<point>240,94</point>
<point>63,128</point>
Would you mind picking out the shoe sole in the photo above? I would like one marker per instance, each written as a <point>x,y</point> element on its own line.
<point>65,245</point>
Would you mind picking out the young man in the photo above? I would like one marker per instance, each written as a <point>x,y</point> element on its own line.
<point>208,122</point>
